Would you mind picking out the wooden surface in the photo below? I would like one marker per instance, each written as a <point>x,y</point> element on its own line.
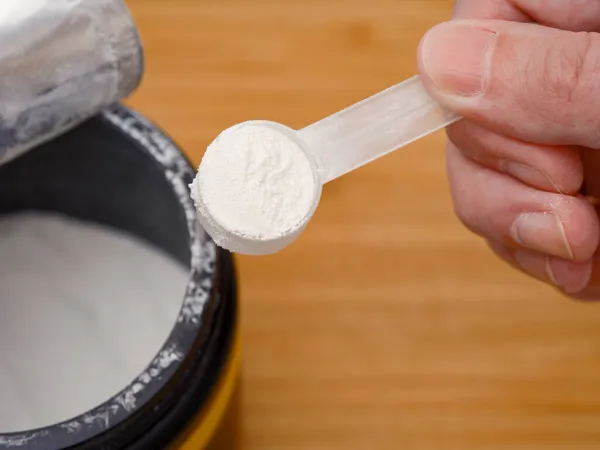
<point>387,325</point>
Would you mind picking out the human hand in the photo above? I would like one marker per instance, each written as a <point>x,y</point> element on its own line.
<point>525,75</point>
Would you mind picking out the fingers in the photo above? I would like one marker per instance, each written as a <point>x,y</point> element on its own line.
<point>500,208</point>
<point>529,82</point>
<point>574,278</point>
<point>548,168</point>
<point>572,15</point>
<point>553,169</point>
<point>592,289</point>
<point>489,9</point>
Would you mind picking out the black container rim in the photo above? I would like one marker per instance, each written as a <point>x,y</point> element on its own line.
<point>191,333</point>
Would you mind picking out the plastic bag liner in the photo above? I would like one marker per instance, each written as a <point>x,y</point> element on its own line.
<point>62,62</point>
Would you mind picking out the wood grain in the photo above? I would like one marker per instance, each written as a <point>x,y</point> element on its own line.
<point>387,325</point>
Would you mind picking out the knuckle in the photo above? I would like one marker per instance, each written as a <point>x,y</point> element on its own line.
<point>474,143</point>
<point>465,201</point>
<point>567,68</point>
<point>473,189</point>
<point>564,69</point>
<point>564,75</point>
<point>466,217</point>
<point>458,136</point>
<point>467,212</point>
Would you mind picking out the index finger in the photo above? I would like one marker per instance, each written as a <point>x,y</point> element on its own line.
<point>489,9</point>
<point>568,15</point>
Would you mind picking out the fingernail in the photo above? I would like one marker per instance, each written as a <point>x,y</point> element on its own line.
<point>534,265</point>
<point>543,232</point>
<point>457,57</point>
<point>529,175</point>
<point>572,277</point>
<point>569,276</point>
<point>591,291</point>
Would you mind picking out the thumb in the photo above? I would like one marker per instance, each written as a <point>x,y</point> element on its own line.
<point>531,82</point>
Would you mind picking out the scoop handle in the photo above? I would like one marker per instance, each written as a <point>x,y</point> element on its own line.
<point>373,128</point>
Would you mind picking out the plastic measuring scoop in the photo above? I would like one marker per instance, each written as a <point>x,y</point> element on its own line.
<point>374,127</point>
<point>337,145</point>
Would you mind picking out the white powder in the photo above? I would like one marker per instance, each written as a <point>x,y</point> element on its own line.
<point>83,311</point>
<point>254,183</point>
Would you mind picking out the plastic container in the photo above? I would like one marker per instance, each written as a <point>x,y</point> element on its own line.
<point>119,170</point>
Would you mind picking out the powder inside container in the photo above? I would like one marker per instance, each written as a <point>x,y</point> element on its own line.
<point>83,310</point>
<point>256,182</point>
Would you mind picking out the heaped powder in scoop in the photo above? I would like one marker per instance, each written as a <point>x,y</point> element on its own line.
<point>255,182</point>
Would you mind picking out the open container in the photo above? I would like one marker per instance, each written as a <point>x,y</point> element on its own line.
<point>66,151</point>
<point>118,170</point>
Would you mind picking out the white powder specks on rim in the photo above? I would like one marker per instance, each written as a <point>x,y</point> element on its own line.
<point>255,182</point>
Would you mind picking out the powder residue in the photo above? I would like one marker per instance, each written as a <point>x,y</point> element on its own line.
<point>83,311</point>
<point>254,181</point>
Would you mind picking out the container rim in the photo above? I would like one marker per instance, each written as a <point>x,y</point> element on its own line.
<point>191,329</point>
